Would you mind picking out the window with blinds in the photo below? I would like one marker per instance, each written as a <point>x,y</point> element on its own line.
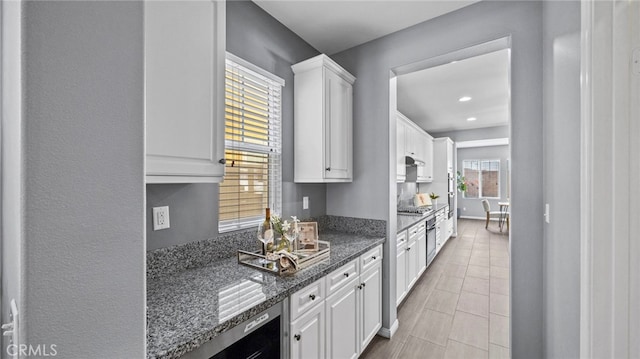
<point>253,175</point>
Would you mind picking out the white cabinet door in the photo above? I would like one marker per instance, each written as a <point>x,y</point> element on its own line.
<point>401,267</point>
<point>449,155</point>
<point>401,168</point>
<point>371,304</point>
<point>422,249</point>
<point>412,262</point>
<point>343,317</point>
<point>184,90</point>
<point>338,122</point>
<point>308,334</point>
<point>428,160</point>
<point>323,121</point>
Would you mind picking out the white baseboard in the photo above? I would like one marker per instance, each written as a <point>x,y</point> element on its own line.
<point>389,332</point>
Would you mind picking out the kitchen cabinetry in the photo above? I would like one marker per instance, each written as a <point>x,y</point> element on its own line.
<point>350,316</point>
<point>401,267</point>
<point>411,258</point>
<point>444,228</point>
<point>425,173</point>
<point>184,91</point>
<point>401,168</point>
<point>323,140</point>
<point>308,333</point>
<point>412,141</point>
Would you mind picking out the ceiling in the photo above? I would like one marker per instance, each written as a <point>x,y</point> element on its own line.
<point>331,26</point>
<point>430,97</point>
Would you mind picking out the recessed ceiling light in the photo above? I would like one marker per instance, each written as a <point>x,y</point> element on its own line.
<point>464,99</point>
<point>471,119</point>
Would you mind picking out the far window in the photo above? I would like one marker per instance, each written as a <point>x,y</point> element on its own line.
<point>483,178</point>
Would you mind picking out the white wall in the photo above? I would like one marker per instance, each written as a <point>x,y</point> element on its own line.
<point>84,178</point>
<point>366,196</point>
<point>562,178</point>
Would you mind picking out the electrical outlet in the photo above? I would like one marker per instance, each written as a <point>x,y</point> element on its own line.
<point>160,218</point>
<point>305,202</point>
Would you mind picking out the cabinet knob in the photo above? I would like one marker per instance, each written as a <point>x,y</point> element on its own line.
<point>346,275</point>
<point>328,169</point>
<point>223,161</point>
<point>360,287</point>
<point>374,258</point>
<point>312,296</point>
<point>297,336</point>
<point>408,249</point>
<point>364,284</point>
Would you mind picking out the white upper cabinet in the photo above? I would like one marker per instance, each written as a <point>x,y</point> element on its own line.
<point>401,168</point>
<point>414,142</point>
<point>184,90</point>
<point>425,173</point>
<point>323,121</point>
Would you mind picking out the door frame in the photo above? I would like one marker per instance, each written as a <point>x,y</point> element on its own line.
<point>610,165</point>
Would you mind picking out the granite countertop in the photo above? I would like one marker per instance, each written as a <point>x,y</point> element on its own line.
<point>184,308</point>
<point>406,221</point>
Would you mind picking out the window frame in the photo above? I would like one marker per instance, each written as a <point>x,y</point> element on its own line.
<point>273,149</point>
<point>479,165</point>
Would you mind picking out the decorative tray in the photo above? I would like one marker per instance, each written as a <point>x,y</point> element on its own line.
<point>303,259</point>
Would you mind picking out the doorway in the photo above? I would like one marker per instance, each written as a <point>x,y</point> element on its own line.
<point>463,96</point>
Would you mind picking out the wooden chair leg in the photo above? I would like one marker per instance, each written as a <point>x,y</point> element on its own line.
<point>486,225</point>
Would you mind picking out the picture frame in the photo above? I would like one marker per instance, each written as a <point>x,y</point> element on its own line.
<point>308,237</point>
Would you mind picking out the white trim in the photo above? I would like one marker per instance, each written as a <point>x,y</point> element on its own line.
<point>483,143</point>
<point>610,167</point>
<point>389,332</point>
<point>256,69</point>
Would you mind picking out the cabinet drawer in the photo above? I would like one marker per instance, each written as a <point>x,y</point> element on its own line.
<point>370,258</point>
<point>307,297</point>
<point>337,279</point>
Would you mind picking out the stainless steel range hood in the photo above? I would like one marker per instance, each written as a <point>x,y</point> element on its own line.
<point>413,162</point>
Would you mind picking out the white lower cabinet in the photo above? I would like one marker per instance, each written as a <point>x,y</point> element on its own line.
<point>401,267</point>
<point>411,258</point>
<point>350,316</point>
<point>370,304</point>
<point>342,322</point>
<point>307,334</point>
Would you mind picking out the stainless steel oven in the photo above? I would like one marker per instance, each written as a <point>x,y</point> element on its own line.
<point>264,336</point>
<point>431,239</point>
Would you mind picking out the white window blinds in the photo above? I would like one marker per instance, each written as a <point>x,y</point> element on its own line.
<point>253,175</point>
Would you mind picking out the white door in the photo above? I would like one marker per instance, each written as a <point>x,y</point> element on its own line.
<point>338,123</point>
<point>412,262</point>
<point>371,304</point>
<point>342,322</point>
<point>401,268</point>
<point>11,150</point>
<point>307,335</point>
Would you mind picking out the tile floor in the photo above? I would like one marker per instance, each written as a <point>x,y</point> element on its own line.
<point>460,306</point>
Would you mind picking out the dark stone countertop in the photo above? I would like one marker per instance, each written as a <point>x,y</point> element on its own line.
<point>406,221</point>
<point>183,308</point>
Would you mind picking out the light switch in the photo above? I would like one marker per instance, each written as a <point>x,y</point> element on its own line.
<point>305,202</point>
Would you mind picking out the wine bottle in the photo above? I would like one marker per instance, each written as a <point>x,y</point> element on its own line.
<point>266,225</point>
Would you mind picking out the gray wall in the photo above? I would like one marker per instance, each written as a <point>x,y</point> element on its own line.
<point>255,36</point>
<point>562,180</point>
<point>472,207</point>
<point>83,177</point>
<point>475,24</point>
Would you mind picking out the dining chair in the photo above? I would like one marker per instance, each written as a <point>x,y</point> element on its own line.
<point>494,214</point>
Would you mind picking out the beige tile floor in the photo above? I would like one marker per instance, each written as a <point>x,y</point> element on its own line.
<point>460,306</point>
